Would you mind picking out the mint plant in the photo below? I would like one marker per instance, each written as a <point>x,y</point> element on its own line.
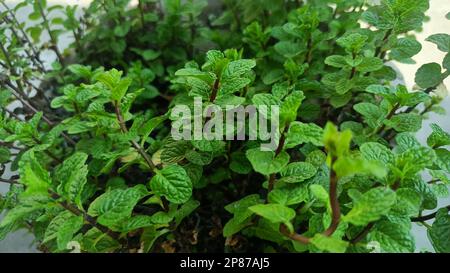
<point>93,165</point>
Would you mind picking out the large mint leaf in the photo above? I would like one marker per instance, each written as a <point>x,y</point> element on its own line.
<point>330,244</point>
<point>371,206</point>
<point>297,172</point>
<point>275,213</point>
<point>393,235</point>
<point>116,205</point>
<point>377,152</point>
<point>33,175</point>
<point>72,176</point>
<point>265,162</point>
<point>300,133</point>
<point>439,233</point>
<point>173,183</point>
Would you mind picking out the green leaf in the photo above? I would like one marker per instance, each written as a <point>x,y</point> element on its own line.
<point>241,212</point>
<point>446,61</point>
<point>173,183</point>
<point>62,228</point>
<point>370,64</point>
<point>19,213</point>
<point>232,85</point>
<point>209,145</point>
<point>442,40</point>
<point>350,165</point>
<point>330,244</point>
<point>33,175</point>
<point>336,61</point>
<point>438,137</point>
<point>289,195</point>
<point>377,152</point>
<point>405,49</point>
<point>408,202</point>
<point>337,143</point>
<point>239,67</point>
<point>72,176</point>
<point>371,206</point>
<point>265,99</point>
<point>297,172</point>
<point>439,233</point>
<point>393,234</point>
<point>289,107</point>
<point>405,122</point>
<point>428,75</point>
<point>288,49</point>
<point>275,213</point>
<point>116,205</point>
<point>265,162</point>
<point>185,210</point>
<point>199,158</point>
<point>320,193</point>
<point>174,151</point>
<point>414,160</point>
<point>5,155</point>
<point>443,159</point>
<point>371,112</point>
<point>300,133</point>
<point>239,163</point>
<point>352,42</point>
<point>122,29</point>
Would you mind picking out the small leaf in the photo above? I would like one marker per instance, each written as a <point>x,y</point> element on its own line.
<point>438,137</point>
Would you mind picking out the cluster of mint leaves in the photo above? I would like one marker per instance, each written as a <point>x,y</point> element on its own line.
<point>97,168</point>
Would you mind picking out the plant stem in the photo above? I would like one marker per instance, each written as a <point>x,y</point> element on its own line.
<point>15,92</point>
<point>277,152</point>
<point>427,217</point>
<point>215,89</point>
<point>136,145</point>
<point>360,236</point>
<point>388,117</point>
<point>89,219</point>
<point>335,212</point>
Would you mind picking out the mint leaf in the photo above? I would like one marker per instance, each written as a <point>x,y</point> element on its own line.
<point>115,206</point>
<point>330,244</point>
<point>438,137</point>
<point>377,152</point>
<point>297,172</point>
<point>439,233</point>
<point>275,213</point>
<point>428,75</point>
<point>173,183</point>
<point>33,175</point>
<point>72,176</point>
<point>371,206</point>
<point>393,234</point>
<point>406,122</point>
<point>442,40</point>
<point>265,162</point>
<point>300,133</point>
